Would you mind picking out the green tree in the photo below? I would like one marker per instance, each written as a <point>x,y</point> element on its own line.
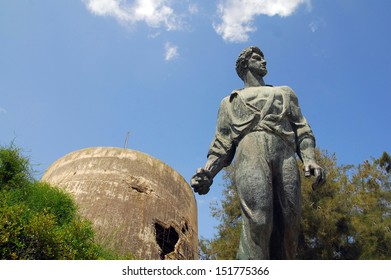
<point>325,225</point>
<point>225,245</point>
<point>371,209</point>
<point>347,218</point>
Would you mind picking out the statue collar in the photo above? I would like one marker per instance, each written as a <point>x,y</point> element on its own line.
<point>236,92</point>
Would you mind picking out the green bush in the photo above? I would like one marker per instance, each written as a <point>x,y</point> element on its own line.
<point>14,168</point>
<point>38,221</point>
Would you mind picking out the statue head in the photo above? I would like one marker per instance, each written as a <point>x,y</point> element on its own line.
<point>242,61</point>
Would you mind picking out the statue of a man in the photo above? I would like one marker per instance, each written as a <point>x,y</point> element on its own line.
<point>263,126</point>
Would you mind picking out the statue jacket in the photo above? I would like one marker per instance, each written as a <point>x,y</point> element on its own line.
<point>271,109</point>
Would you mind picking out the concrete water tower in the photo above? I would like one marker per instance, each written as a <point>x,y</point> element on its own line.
<point>137,204</point>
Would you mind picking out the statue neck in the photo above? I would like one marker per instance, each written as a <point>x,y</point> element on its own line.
<point>251,80</point>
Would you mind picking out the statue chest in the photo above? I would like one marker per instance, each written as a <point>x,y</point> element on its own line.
<point>265,100</point>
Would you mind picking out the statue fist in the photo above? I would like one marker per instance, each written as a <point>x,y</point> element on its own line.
<point>201,181</point>
<point>314,169</point>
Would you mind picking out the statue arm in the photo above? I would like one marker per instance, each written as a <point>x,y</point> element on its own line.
<point>305,140</point>
<point>305,143</point>
<point>220,155</point>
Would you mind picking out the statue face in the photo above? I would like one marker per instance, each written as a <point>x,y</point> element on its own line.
<point>257,64</point>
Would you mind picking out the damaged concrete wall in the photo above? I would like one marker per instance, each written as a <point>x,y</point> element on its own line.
<point>137,204</point>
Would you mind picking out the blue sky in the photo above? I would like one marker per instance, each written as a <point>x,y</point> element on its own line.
<point>82,73</point>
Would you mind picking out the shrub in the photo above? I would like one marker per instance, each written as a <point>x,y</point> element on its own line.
<point>14,168</point>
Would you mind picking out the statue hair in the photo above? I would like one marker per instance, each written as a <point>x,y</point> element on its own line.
<point>241,62</point>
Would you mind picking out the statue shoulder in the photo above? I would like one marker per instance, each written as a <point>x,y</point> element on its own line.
<point>225,103</point>
<point>225,100</point>
<point>229,98</point>
<point>287,90</point>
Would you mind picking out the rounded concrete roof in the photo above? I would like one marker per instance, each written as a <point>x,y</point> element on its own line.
<point>131,198</point>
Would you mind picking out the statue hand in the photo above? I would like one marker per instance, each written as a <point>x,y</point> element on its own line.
<point>201,181</point>
<point>312,168</point>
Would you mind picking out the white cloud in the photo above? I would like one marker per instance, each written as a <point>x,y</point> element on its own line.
<point>171,51</point>
<point>237,16</point>
<point>154,35</point>
<point>107,8</point>
<point>316,25</point>
<point>193,8</point>
<point>155,13</point>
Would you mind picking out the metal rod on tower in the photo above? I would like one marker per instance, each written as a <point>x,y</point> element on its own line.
<point>126,140</point>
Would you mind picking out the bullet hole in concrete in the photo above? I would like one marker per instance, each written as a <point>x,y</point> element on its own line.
<point>166,238</point>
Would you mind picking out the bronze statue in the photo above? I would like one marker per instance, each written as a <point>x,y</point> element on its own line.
<point>263,126</point>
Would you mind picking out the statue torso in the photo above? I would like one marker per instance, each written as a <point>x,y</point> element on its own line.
<point>258,97</point>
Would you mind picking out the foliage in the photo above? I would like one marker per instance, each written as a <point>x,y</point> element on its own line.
<point>224,246</point>
<point>325,223</point>
<point>371,212</point>
<point>14,168</point>
<point>347,218</point>
<point>38,221</point>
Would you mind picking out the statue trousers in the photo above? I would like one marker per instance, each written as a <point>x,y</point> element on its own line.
<point>268,185</point>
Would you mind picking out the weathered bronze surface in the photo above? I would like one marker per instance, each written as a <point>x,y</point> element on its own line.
<point>264,128</point>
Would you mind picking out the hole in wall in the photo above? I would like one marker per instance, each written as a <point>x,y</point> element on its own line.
<point>166,238</point>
